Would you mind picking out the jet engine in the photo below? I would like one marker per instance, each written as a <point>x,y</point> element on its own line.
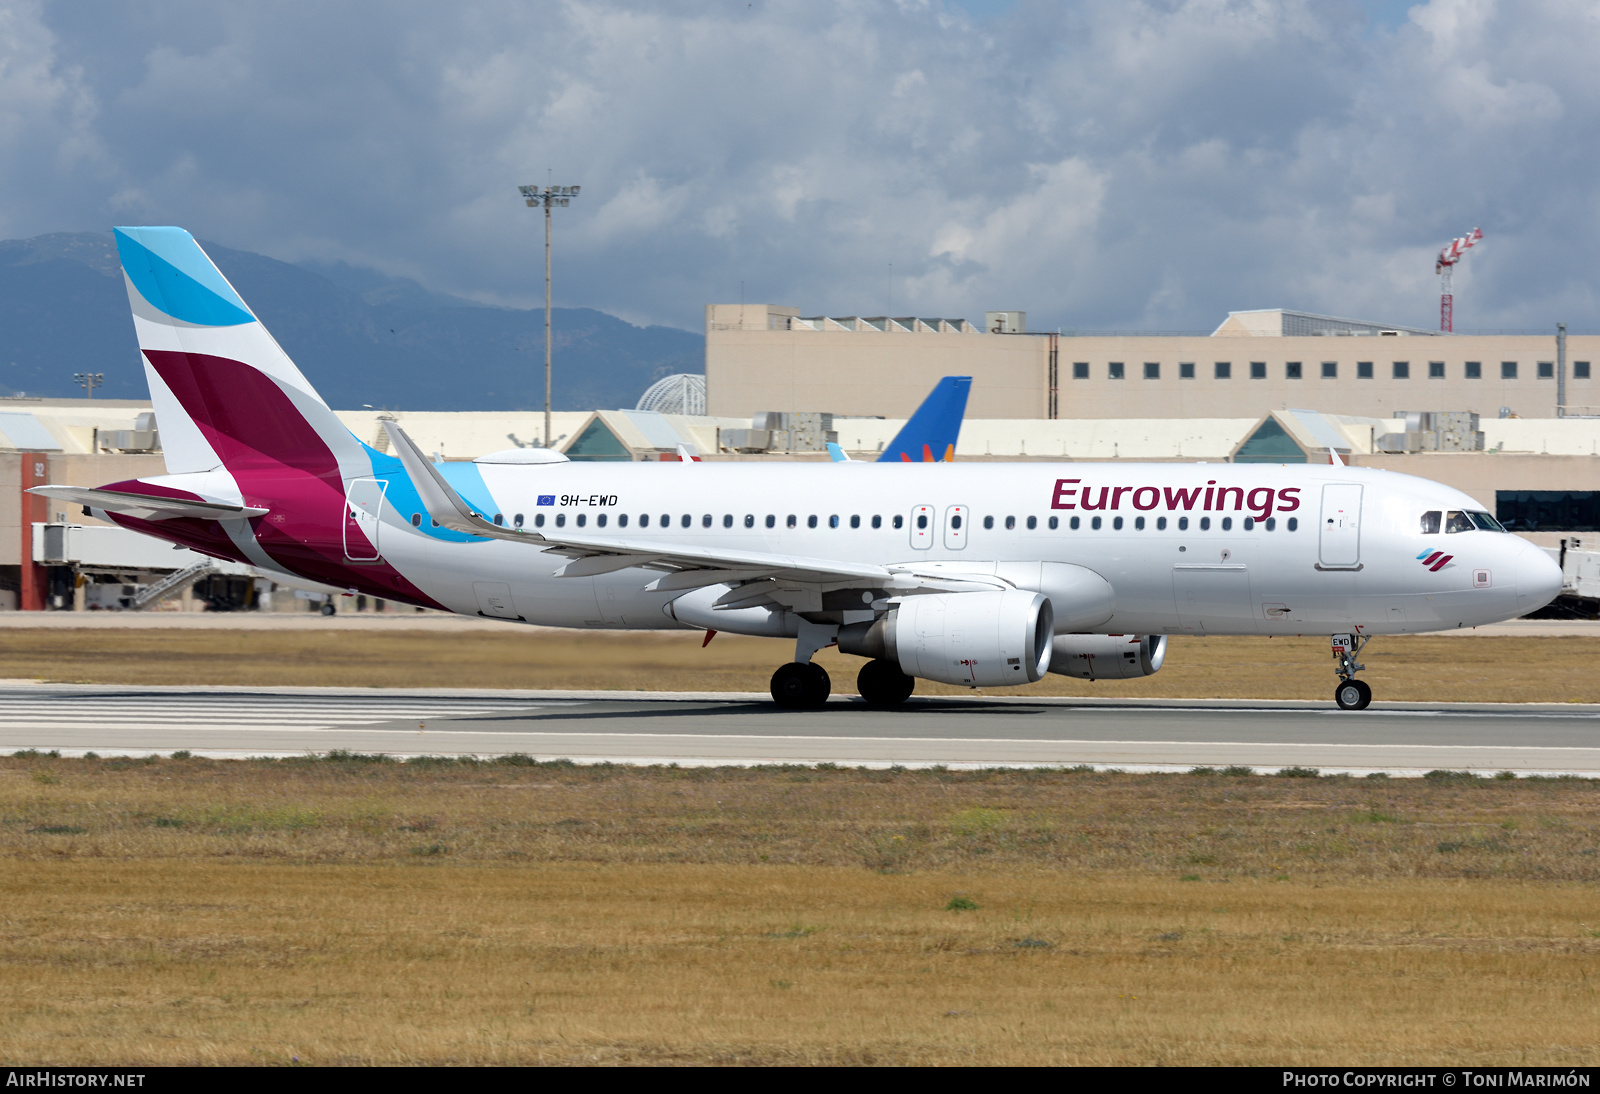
<point>976,639</point>
<point>1107,656</point>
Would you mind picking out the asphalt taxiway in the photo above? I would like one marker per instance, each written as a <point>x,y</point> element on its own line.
<point>695,729</point>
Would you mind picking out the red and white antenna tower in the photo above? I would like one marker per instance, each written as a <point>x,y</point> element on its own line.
<point>1444,266</point>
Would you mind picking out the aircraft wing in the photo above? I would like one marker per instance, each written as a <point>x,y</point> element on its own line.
<point>686,567</point>
<point>145,506</point>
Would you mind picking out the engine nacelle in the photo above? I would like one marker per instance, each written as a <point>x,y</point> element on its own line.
<point>975,639</point>
<point>1107,656</point>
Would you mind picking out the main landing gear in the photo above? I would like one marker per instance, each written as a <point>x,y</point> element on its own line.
<point>798,686</point>
<point>882,684</point>
<point>1351,694</point>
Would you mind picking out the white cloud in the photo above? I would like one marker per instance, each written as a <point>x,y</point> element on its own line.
<point>1099,164</point>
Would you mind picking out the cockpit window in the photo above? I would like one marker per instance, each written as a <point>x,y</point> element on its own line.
<point>1457,521</point>
<point>1430,523</point>
<point>1485,521</point>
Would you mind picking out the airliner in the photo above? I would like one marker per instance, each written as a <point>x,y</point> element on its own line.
<point>977,574</point>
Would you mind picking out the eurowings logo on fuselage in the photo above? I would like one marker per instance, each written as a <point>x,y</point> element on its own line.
<point>1434,560</point>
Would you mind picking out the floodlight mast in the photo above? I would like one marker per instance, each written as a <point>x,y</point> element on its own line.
<point>1444,266</point>
<point>549,197</point>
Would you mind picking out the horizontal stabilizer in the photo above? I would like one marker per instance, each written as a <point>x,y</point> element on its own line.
<point>145,506</point>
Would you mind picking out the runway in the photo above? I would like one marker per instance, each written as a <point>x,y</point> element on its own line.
<point>698,729</point>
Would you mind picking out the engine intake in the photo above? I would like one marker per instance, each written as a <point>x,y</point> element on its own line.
<point>1107,656</point>
<point>974,639</point>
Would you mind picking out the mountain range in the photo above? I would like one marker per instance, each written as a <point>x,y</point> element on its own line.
<point>360,336</point>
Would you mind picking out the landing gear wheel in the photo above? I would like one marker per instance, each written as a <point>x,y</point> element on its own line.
<point>800,687</point>
<point>1352,695</point>
<point>882,684</point>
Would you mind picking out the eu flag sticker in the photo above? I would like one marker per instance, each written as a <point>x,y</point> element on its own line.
<point>547,499</point>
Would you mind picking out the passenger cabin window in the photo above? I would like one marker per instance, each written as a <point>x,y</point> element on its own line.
<point>561,520</point>
<point>1430,522</point>
<point>772,520</point>
<point>877,522</point>
<point>538,520</point>
<point>811,521</point>
<point>1457,521</point>
<point>988,522</point>
<point>687,520</point>
<point>582,520</point>
<point>922,521</point>
<point>1076,523</point>
<point>622,520</point>
<point>833,521</point>
<point>855,521</point>
<point>1161,524</point>
<point>518,520</point>
<point>705,520</point>
<point>1033,522</point>
<point>899,521</point>
<point>416,521</point>
<point>499,520</point>
<point>1011,522</point>
<point>792,520</point>
<point>600,520</point>
<point>727,520</point>
<point>1054,523</point>
<point>749,520</point>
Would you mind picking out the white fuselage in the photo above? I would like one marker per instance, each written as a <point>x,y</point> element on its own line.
<point>1328,549</point>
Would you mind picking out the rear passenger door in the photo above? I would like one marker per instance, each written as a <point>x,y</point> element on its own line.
<point>922,527</point>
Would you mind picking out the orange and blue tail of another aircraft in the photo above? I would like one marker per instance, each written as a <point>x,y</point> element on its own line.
<point>931,433</point>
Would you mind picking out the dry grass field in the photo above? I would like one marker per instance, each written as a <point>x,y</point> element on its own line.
<point>1421,668</point>
<point>348,911</point>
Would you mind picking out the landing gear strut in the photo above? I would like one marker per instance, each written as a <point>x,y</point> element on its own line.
<point>801,686</point>
<point>1351,694</point>
<point>882,684</point>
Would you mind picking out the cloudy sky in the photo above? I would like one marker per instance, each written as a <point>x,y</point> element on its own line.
<point>1103,165</point>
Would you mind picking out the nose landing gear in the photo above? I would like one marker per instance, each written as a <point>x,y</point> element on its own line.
<point>1351,694</point>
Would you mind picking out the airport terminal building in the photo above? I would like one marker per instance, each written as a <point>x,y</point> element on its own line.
<point>763,357</point>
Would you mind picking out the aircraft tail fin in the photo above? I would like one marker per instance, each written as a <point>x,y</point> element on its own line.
<point>225,393</point>
<point>935,426</point>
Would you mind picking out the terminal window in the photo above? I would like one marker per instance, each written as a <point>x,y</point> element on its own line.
<point>1474,370</point>
<point>1363,370</point>
<point>1436,370</point>
<point>1548,510</point>
<point>1547,370</point>
<point>1224,370</point>
<point>1330,370</point>
<point>1115,370</point>
<point>1258,370</point>
<point>1080,370</point>
<point>1402,370</point>
<point>1186,370</point>
<point>1508,370</point>
<point>1152,370</point>
<point>1580,370</point>
<point>1291,370</point>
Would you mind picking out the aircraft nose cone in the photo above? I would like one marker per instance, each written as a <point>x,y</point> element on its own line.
<point>1538,579</point>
